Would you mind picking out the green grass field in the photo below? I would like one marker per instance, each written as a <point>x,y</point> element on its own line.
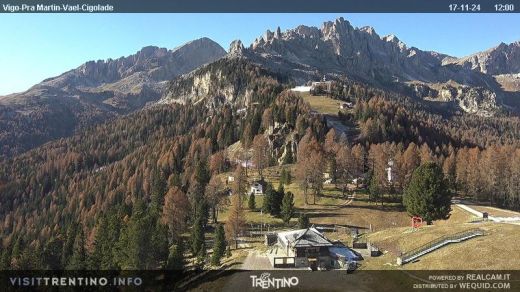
<point>322,103</point>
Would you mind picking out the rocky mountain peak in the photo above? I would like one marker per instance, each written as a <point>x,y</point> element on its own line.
<point>236,47</point>
<point>502,59</point>
<point>336,29</point>
<point>278,33</point>
<point>395,40</point>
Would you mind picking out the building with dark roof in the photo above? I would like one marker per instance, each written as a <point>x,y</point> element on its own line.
<point>305,248</point>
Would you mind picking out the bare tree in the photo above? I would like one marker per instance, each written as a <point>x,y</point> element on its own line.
<point>311,165</point>
<point>175,211</point>
<point>261,153</point>
<point>344,166</point>
<point>235,223</point>
<point>239,186</point>
<point>217,162</point>
<point>215,192</point>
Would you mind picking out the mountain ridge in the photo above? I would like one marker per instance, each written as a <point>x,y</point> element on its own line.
<point>337,49</point>
<point>96,91</point>
<point>99,90</point>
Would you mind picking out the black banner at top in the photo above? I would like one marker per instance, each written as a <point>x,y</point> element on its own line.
<point>260,6</point>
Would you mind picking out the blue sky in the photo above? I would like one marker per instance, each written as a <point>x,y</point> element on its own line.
<point>37,46</point>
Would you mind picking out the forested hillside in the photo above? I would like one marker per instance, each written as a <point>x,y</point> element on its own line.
<point>120,194</point>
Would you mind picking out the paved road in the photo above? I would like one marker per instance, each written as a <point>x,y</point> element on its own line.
<point>512,220</point>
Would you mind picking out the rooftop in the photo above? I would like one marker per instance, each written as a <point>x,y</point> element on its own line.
<point>304,238</point>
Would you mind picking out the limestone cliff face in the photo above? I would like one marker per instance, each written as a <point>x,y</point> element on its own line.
<point>338,48</point>
<point>211,87</point>
<point>503,59</point>
<point>473,100</point>
<point>229,80</point>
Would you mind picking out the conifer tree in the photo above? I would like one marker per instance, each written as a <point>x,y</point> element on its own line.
<point>287,211</point>
<point>68,245</point>
<point>5,259</point>
<point>219,245</point>
<point>288,158</point>
<point>268,198</point>
<point>303,221</point>
<point>375,190</point>
<point>276,201</point>
<point>78,259</point>
<point>428,194</point>
<point>51,254</point>
<point>251,203</point>
<point>197,236</point>
<point>176,259</point>
<point>201,256</point>
<point>158,188</point>
<point>159,246</point>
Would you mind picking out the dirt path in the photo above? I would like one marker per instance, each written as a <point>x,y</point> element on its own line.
<point>255,260</point>
<point>349,200</point>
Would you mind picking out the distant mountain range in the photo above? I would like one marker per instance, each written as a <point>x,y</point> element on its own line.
<point>94,92</point>
<point>484,83</point>
<point>337,49</point>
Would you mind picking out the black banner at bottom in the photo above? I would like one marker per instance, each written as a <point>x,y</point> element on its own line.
<point>242,280</point>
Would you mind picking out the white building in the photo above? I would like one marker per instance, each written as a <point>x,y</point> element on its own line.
<point>257,188</point>
<point>346,105</point>
<point>389,171</point>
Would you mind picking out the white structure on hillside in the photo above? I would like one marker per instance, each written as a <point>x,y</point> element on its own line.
<point>346,105</point>
<point>302,88</point>
<point>257,188</point>
<point>389,171</point>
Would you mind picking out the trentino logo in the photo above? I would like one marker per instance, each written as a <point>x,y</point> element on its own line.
<point>265,281</point>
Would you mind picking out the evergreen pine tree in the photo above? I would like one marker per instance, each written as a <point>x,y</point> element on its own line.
<point>288,158</point>
<point>219,245</point>
<point>303,221</point>
<point>288,177</point>
<point>5,259</point>
<point>375,190</point>
<point>176,259</point>
<point>282,175</point>
<point>197,236</point>
<point>106,237</point>
<point>268,197</point>
<point>251,203</point>
<point>99,244</point>
<point>78,259</point>
<point>228,251</point>
<point>287,211</point>
<point>17,253</point>
<point>158,188</point>
<point>159,246</point>
<point>202,174</point>
<point>51,254</point>
<point>427,194</point>
<point>134,247</point>
<point>68,245</point>
<point>36,259</point>
<point>201,256</point>
<point>276,200</point>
